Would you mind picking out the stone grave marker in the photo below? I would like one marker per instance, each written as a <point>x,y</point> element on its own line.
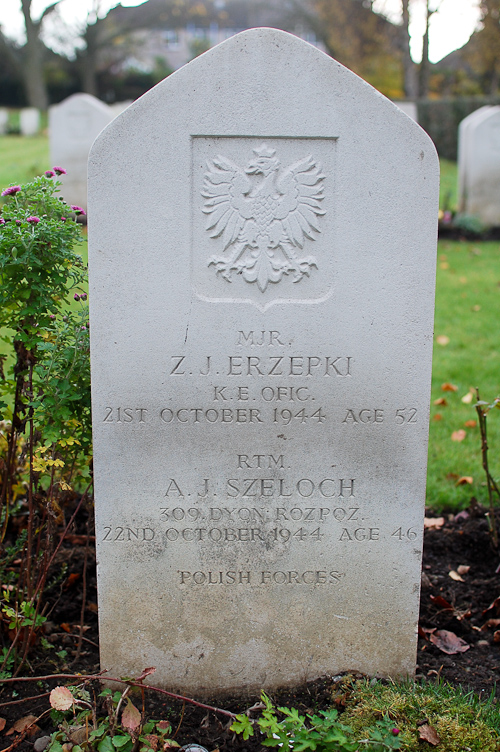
<point>4,120</point>
<point>29,121</point>
<point>73,126</point>
<point>479,165</point>
<point>262,233</point>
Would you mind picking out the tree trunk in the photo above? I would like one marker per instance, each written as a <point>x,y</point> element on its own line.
<point>88,60</point>
<point>34,83</point>
<point>423,79</point>
<point>409,70</point>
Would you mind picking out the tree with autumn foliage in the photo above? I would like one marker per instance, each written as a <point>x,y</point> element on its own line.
<point>360,39</point>
<point>484,56</point>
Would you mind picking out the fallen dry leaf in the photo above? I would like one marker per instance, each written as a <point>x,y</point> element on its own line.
<point>22,724</point>
<point>2,723</point>
<point>448,642</point>
<point>61,698</point>
<point>491,623</point>
<point>441,602</point>
<point>438,416</point>
<point>496,636</point>
<point>443,340</point>
<point>444,265</point>
<point>470,424</point>
<point>495,606</point>
<point>463,280</point>
<point>433,523</point>
<point>476,308</point>
<point>447,387</point>
<point>72,578</point>
<point>131,717</point>
<point>458,435</point>
<point>467,398</point>
<point>152,741</point>
<point>441,401</point>
<point>463,569</point>
<point>455,576</point>
<point>424,631</point>
<point>464,480</point>
<point>428,734</point>
<point>463,515</point>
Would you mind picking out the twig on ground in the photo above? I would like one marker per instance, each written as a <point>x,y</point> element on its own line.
<point>131,683</point>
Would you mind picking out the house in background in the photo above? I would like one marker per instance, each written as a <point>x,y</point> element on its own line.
<point>169,34</point>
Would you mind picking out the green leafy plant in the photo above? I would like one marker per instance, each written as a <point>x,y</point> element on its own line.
<point>45,433</point>
<point>122,729</point>
<point>322,732</point>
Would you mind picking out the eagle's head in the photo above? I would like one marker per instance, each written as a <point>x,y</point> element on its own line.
<point>264,163</point>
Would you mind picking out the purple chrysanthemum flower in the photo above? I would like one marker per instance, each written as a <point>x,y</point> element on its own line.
<point>49,174</point>
<point>83,296</point>
<point>52,316</point>
<point>396,731</point>
<point>2,221</point>
<point>63,219</point>
<point>33,220</point>
<point>76,296</point>
<point>18,222</point>
<point>78,209</point>
<point>59,170</point>
<point>11,191</point>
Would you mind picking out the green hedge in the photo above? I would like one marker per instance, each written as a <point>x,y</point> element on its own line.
<point>441,118</point>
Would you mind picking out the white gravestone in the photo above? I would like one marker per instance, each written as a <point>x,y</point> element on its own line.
<point>73,126</point>
<point>29,121</point>
<point>479,165</point>
<point>262,257</point>
<point>4,120</point>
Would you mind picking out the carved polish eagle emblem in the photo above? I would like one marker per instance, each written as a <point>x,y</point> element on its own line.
<point>263,216</point>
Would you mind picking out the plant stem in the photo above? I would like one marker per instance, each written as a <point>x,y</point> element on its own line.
<point>491,485</point>
<point>132,683</point>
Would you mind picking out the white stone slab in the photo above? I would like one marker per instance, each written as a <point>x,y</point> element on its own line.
<point>4,120</point>
<point>73,126</point>
<point>479,165</point>
<point>261,412</point>
<point>463,152</point>
<point>29,121</point>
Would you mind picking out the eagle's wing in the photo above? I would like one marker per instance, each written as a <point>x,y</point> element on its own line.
<point>302,192</point>
<point>225,190</point>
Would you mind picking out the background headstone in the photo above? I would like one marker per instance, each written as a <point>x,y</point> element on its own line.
<point>118,107</point>
<point>262,255</point>
<point>73,126</point>
<point>463,151</point>
<point>409,108</point>
<point>4,120</point>
<point>29,121</point>
<point>479,165</point>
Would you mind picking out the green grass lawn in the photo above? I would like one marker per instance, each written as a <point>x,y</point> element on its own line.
<point>467,306</point>
<point>22,158</point>
<point>448,186</point>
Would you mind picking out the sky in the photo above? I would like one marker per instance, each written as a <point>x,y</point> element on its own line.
<point>450,27</point>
